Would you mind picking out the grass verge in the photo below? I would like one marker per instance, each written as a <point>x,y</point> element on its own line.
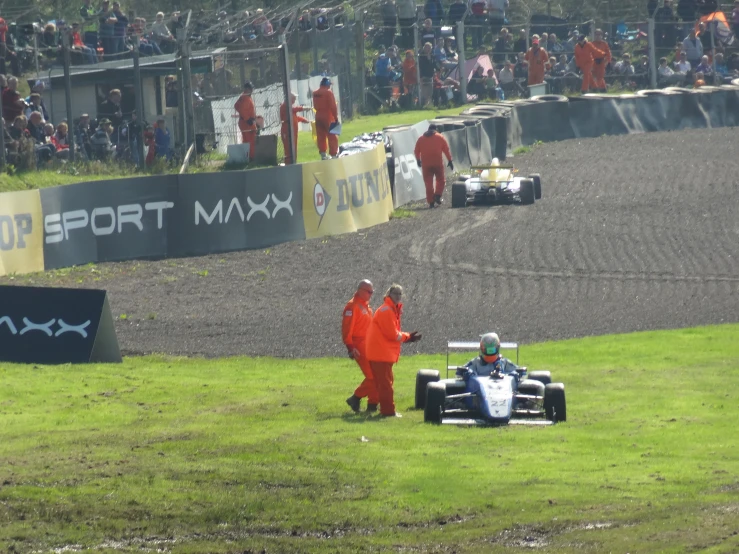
<point>193,455</point>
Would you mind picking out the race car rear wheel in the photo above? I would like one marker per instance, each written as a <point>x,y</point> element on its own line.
<point>459,195</point>
<point>544,377</point>
<point>555,405</point>
<point>537,185</point>
<point>423,378</point>
<point>435,399</point>
<point>527,192</point>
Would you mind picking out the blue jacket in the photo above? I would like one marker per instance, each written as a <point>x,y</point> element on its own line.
<point>382,66</point>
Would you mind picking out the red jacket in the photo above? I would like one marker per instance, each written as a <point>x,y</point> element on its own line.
<point>355,321</point>
<point>384,336</point>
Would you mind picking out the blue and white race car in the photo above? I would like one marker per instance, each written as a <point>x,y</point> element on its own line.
<point>508,394</point>
<point>495,184</point>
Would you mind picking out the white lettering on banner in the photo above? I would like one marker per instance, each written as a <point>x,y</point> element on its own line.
<point>103,221</point>
<point>406,165</point>
<point>15,227</point>
<point>254,208</point>
<point>45,328</point>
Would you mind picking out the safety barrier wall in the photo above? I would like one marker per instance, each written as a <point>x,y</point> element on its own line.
<point>485,131</point>
<point>189,215</point>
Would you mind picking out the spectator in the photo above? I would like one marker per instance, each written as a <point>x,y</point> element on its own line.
<point>434,11</point>
<point>492,87</point>
<point>171,94</point>
<point>88,54</point>
<point>89,17</point>
<point>704,35</point>
<point>146,47</point>
<point>389,21</point>
<point>665,28</point>
<point>440,56</point>
<point>477,21</point>
<point>100,142</point>
<point>33,103</point>
<point>521,69</point>
<point>521,45</point>
<point>427,33</point>
<point>476,84</point>
<point>569,46</point>
<point>406,18</point>
<point>624,66</point>
<point>496,14</point>
<point>699,80</point>
<point>507,80</point>
<point>111,109</point>
<point>451,54</point>
<point>119,29</point>
<point>106,23</point>
<point>384,338</point>
<point>560,69</point>
<point>58,139</point>
<point>383,70</point>
<point>19,129</point>
<point>455,15</point>
<point>667,76</point>
<point>11,145</point>
<point>693,48</point>
<point>410,74</point>
<point>427,68</point>
<point>537,59</point>
<point>13,103</point>
<point>35,127</point>
<point>686,11</point>
<point>49,38</point>
<point>162,139</point>
<point>682,65</point>
<point>503,45</point>
<point>176,23</point>
<point>722,71</point>
<point>553,44</point>
<point>161,35</point>
<point>82,136</point>
<point>704,66</point>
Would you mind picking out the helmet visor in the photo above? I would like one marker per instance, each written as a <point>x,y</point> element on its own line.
<point>489,349</point>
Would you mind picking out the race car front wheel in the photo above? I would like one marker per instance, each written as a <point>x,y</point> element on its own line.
<point>527,192</point>
<point>435,400</point>
<point>536,178</point>
<point>555,405</point>
<point>459,195</point>
<point>423,378</point>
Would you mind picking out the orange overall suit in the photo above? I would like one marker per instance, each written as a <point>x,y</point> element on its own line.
<point>599,69</point>
<point>585,54</point>
<point>247,122</point>
<point>538,59</point>
<point>354,324</point>
<point>283,130</point>
<point>326,113</point>
<point>384,338</point>
<point>429,149</point>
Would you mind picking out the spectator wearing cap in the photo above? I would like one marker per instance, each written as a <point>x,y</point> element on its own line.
<point>537,59</point>
<point>247,117</point>
<point>327,115</point>
<point>100,142</point>
<point>162,139</point>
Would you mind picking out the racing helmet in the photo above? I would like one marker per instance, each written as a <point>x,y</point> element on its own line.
<point>495,163</point>
<point>490,347</point>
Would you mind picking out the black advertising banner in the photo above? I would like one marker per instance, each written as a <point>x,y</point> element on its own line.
<point>104,221</point>
<point>56,326</point>
<point>226,211</point>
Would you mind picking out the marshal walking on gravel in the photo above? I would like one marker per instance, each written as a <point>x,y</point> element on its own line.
<point>429,149</point>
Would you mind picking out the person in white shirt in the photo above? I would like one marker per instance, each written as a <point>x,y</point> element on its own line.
<point>682,65</point>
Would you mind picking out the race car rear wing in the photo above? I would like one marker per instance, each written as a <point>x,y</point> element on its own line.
<point>468,345</point>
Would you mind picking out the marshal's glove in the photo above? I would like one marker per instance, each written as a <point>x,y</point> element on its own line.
<point>598,61</point>
<point>415,336</point>
<point>353,352</point>
<point>418,162</point>
<point>450,165</point>
<point>250,121</point>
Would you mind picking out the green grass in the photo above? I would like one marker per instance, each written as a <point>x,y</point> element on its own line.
<point>402,213</point>
<point>250,454</point>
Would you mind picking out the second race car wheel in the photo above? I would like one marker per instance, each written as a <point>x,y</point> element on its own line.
<point>555,404</point>
<point>459,195</point>
<point>435,399</point>
<point>423,378</point>
<point>527,192</point>
<point>544,377</point>
<point>537,185</point>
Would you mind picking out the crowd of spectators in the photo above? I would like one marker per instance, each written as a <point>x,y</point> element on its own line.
<point>32,140</point>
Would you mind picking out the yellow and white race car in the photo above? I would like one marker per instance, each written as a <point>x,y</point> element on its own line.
<point>495,184</point>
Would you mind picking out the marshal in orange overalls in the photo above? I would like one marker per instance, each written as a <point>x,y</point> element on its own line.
<point>585,55</point>
<point>599,68</point>
<point>538,59</point>
<point>283,130</point>
<point>324,103</point>
<point>429,149</point>
<point>355,321</point>
<point>247,120</point>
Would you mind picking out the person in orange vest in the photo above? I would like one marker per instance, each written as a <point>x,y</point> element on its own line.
<point>599,69</point>
<point>585,55</point>
<point>247,118</point>
<point>384,338</point>
<point>354,324</point>
<point>538,59</point>
<point>283,131</point>
<point>429,149</point>
<point>326,113</point>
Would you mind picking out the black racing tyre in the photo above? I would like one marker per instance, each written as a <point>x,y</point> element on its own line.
<point>459,195</point>
<point>527,192</point>
<point>555,405</point>
<point>462,178</point>
<point>435,399</point>
<point>544,377</point>
<point>455,387</point>
<point>537,185</point>
<point>423,378</point>
<point>529,386</point>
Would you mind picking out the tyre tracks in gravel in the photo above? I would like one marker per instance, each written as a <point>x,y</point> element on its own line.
<point>632,233</point>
